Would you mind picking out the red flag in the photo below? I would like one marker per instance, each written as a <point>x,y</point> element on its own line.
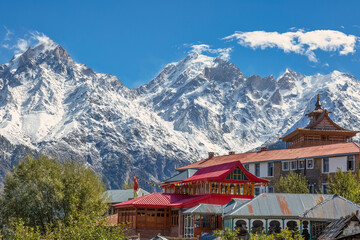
<point>136,186</point>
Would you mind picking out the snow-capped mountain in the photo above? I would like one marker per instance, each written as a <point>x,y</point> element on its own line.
<point>50,104</point>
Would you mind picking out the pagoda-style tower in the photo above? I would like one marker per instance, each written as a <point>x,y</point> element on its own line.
<point>320,131</point>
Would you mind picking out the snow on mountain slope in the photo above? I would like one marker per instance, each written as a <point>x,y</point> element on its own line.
<point>62,108</point>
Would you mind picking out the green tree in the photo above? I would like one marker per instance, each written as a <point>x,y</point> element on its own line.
<point>292,183</point>
<point>43,192</point>
<point>226,234</point>
<point>345,184</point>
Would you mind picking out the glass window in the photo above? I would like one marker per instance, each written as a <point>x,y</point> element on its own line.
<point>285,166</point>
<point>350,163</point>
<point>293,165</point>
<point>310,164</point>
<point>257,191</point>
<point>246,166</point>
<point>325,165</point>
<point>301,164</point>
<point>324,188</point>
<point>270,189</point>
<point>270,169</point>
<point>257,169</point>
<point>311,188</point>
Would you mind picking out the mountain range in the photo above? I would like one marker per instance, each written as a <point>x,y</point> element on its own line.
<point>51,105</point>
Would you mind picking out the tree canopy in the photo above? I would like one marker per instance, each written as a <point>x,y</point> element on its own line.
<point>292,183</point>
<point>345,184</point>
<point>43,192</point>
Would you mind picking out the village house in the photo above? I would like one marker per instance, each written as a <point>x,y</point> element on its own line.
<point>163,212</point>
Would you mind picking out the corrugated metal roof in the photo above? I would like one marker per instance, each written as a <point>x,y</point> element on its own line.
<point>234,204</point>
<point>181,176</point>
<point>279,155</point>
<point>205,209</point>
<point>336,228</point>
<point>216,208</point>
<point>122,195</point>
<point>279,205</point>
<point>331,209</point>
<point>305,206</point>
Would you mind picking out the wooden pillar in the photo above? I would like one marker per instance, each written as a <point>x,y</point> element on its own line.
<point>235,189</point>
<point>228,189</point>
<point>252,189</point>
<point>219,189</point>
<point>210,187</point>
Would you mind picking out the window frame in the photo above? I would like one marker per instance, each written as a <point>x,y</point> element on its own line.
<point>257,165</point>
<point>352,161</point>
<point>307,163</point>
<point>304,162</point>
<point>247,167</point>
<point>282,165</point>
<point>326,187</point>
<point>272,169</point>
<point>292,169</point>
<point>323,165</point>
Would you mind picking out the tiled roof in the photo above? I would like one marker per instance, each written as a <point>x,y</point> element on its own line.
<point>278,155</point>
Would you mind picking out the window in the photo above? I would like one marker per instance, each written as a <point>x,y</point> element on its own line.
<point>257,191</point>
<point>270,189</point>
<point>324,188</point>
<point>301,164</point>
<point>293,165</point>
<point>310,164</point>
<point>285,166</point>
<point>311,188</point>
<point>257,169</point>
<point>246,166</point>
<point>325,165</point>
<point>350,163</point>
<point>270,169</point>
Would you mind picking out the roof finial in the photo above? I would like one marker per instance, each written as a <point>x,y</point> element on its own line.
<point>318,103</point>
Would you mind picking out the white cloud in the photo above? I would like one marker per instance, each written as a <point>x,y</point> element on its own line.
<point>222,53</point>
<point>20,45</point>
<point>299,42</point>
<point>8,34</point>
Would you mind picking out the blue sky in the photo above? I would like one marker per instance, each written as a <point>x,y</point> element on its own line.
<point>134,40</point>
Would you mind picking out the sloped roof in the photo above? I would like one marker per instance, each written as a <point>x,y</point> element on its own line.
<point>333,208</point>
<point>279,205</point>
<point>279,155</point>
<point>221,171</point>
<point>216,208</point>
<point>323,115</point>
<point>122,195</point>
<point>305,206</point>
<point>336,228</point>
<point>164,200</point>
<point>181,176</point>
<point>205,209</point>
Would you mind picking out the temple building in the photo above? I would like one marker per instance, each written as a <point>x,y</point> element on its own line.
<point>320,131</point>
<point>163,212</point>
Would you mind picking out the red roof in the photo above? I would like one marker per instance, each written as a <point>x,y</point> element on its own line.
<point>277,155</point>
<point>164,200</point>
<point>221,171</point>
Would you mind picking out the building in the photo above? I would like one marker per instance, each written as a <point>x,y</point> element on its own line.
<point>316,151</point>
<point>344,228</point>
<point>122,195</point>
<point>164,212</point>
<point>272,212</point>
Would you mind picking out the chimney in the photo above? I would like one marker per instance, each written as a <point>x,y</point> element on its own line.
<point>211,154</point>
<point>263,149</point>
<point>231,153</point>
